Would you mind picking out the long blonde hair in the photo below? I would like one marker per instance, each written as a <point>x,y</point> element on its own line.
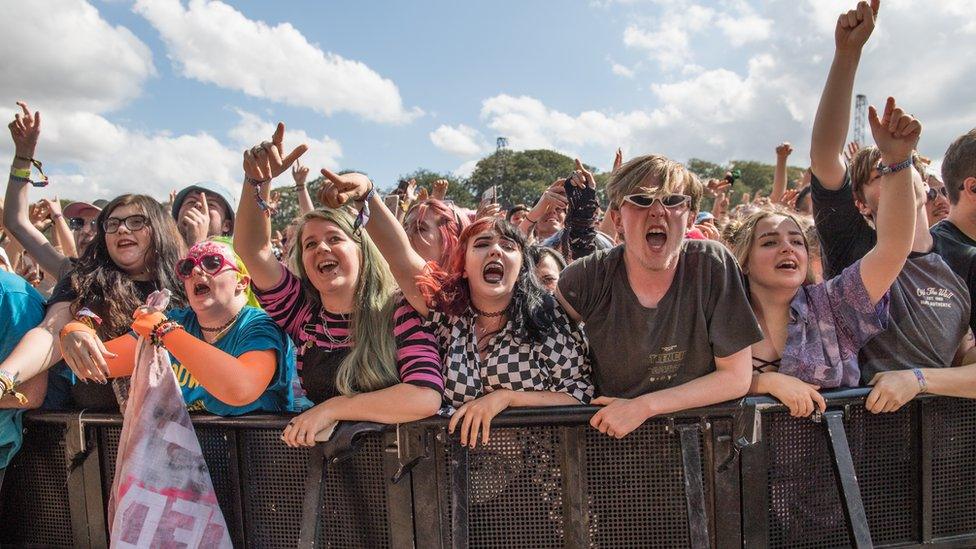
<point>371,362</point>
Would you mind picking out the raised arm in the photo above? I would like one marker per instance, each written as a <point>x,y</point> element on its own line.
<point>252,234</point>
<point>783,152</point>
<point>387,233</point>
<point>300,174</point>
<point>834,112</point>
<point>25,130</point>
<point>896,135</point>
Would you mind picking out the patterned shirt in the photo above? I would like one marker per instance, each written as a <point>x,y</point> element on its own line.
<point>323,339</point>
<point>560,363</point>
<point>829,323</point>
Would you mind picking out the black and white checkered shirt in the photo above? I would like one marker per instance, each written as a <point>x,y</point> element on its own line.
<point>560,363</point>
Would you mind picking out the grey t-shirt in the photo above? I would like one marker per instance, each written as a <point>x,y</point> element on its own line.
<point>636,350</point>
<point>928,317</point>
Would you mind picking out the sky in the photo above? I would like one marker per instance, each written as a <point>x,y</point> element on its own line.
<point>153,95</point>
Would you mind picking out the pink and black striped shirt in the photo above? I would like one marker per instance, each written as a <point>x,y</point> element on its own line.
<point>322,339</point>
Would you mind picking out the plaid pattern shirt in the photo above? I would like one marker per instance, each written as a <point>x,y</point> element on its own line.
<point>559,363</point>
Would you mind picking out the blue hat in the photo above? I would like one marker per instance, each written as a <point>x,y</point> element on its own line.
<point>208,187</point>
<point>703,216</point>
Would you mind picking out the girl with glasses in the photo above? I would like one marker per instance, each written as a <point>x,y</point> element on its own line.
<point>363,353</point>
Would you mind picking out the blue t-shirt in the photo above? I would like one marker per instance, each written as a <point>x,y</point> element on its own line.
<point>253,331</point>
<point>21,309</point>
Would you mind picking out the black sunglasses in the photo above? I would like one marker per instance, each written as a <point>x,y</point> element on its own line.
<point>133,223</point>
<point>932,194</point>
<point>77,223</point>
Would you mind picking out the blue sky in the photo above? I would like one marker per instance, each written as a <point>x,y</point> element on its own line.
<point>155,94</point>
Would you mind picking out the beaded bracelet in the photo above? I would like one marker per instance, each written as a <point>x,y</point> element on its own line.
<point>258,184</point>
<point>160,330</point>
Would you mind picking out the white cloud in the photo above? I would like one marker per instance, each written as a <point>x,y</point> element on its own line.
<point>61,54</point>
<point>621,70</point>
<point>466,169</point>
<point>252,129</point>
<point>460,141</point>
<point>212,42</point>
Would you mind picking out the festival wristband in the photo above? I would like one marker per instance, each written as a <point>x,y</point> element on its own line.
<point>8,386</point>
<point>22,173</point>
<point>923,387</point>
<point>362,218</point>
<point>893,168</point>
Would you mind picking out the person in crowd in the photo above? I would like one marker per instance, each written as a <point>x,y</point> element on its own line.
<point>684,299</point>
<point>505,342</point>
<point>937,199</point>
<point>203,210</point>
<point>813,332</point>
<point>929,303</point>
<point>548,264</point>
<point>433,227</point>
<point>363,352</point>
<point>516,214</point>
<point>804,204</point>
<point>82,220</point>
<point>547,217</point>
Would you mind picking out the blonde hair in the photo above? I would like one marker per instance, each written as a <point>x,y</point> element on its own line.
<point>744,236</point>
<point>371,362</point>
<point>651,169</point>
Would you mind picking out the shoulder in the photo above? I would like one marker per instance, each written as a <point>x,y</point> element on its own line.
<point>600,260</point>
<point>707,253</point>
<point>13,285</point>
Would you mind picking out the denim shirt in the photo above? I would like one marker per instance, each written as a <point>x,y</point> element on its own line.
<point>829,323</point>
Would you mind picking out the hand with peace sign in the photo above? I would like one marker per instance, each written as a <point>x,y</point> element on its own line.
<point>855,27</point>
<point>25,130</point>
<point>299,173</point>
<point>266,161</point>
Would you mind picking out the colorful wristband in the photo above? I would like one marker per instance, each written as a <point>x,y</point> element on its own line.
<point>923,387</point>
<point>23,173</point>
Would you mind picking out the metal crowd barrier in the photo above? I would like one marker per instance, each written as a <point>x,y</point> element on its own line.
<point>741,474</point>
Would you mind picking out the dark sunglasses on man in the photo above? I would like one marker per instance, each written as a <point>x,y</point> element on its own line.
<point>133,223</point>
<point>932,194</point>
<point>212,264</point>
<point>78,223</point>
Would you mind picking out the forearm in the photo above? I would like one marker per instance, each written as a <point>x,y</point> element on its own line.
<point>64,238</point>
<point>523,399</point>
<point>718,386</point>
<point>391,240</point>
<point>37,351</point>
<point>895,222</point>
<point>18,224</point>
<point>252,238</point>
<point>832,120</point>
<point>400,403</point>
<point>779,179</point>
<point>954,382</point>
<point>304,200</point>
<point>34,390</point>
<point>236,381</point>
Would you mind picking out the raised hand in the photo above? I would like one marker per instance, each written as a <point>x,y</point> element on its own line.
<point>582,177</point>
<point>789,199</point>
<point>784,150</point>
<point>411,190</point>
<point>39,215</point>
<point>195,223</point>
<point>337,190</point>
<point>53,207</point>
<point>299,173</point>
<point>618,160</point>
<point>423,194</point>
<point>855,27</point>
<point>25,129</point>
<point>714,187</point>
<point>440,189</point>
<point>274,200</point>
<point>896,133</point>
<point>265,161</point>
<point>851,150</point>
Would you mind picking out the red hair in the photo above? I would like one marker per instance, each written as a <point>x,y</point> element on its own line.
<point>449,223</point>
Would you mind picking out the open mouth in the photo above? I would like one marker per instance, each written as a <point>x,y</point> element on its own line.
<point>493,272</point>
<point>328,266</point>
<point>656,238</point>
<point>123,244</point>
<point>787,265</point>
<point>201,289</point>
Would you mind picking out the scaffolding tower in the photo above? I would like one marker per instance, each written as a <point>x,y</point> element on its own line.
<point>860,118</point>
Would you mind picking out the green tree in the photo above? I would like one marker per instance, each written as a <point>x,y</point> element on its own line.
<point>523,176</point>
<point>457,191</point>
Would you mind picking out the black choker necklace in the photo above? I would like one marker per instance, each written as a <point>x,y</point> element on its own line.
<point>221,328</point>
<point>479,312</point>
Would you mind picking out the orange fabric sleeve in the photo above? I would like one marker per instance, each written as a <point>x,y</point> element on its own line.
<point>122,365</point>
<point>236,381</point>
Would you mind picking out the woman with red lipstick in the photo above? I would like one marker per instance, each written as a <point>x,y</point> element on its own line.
<point>504,340</point>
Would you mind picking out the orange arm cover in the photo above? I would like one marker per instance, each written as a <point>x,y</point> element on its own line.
<point>236,381</point>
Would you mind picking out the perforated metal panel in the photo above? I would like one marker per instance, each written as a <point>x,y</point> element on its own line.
<point>636,489</point>
<point>354,500</point>
<point>804,503</point>
<point>35,493</point>
<point>953,452</point>
<point>274,477</point>
<point>515,489</point>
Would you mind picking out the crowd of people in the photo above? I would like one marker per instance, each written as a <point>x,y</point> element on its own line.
<point>392,309</point>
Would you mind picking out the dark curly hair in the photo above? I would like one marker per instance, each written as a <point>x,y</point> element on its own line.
<point>532,310</point>
<point>110,292</point>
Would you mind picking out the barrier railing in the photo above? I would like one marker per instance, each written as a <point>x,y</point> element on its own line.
<point>742,474</point>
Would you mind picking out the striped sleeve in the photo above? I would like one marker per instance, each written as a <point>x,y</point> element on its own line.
<point>418,357</point>
<point>286,303</point>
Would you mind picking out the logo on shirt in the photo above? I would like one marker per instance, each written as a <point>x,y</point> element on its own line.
<point>184,377</point>
<point>664,365</point>
<point>935,297</point>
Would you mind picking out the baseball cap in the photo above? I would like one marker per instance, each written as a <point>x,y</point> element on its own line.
<point>75,208</point>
